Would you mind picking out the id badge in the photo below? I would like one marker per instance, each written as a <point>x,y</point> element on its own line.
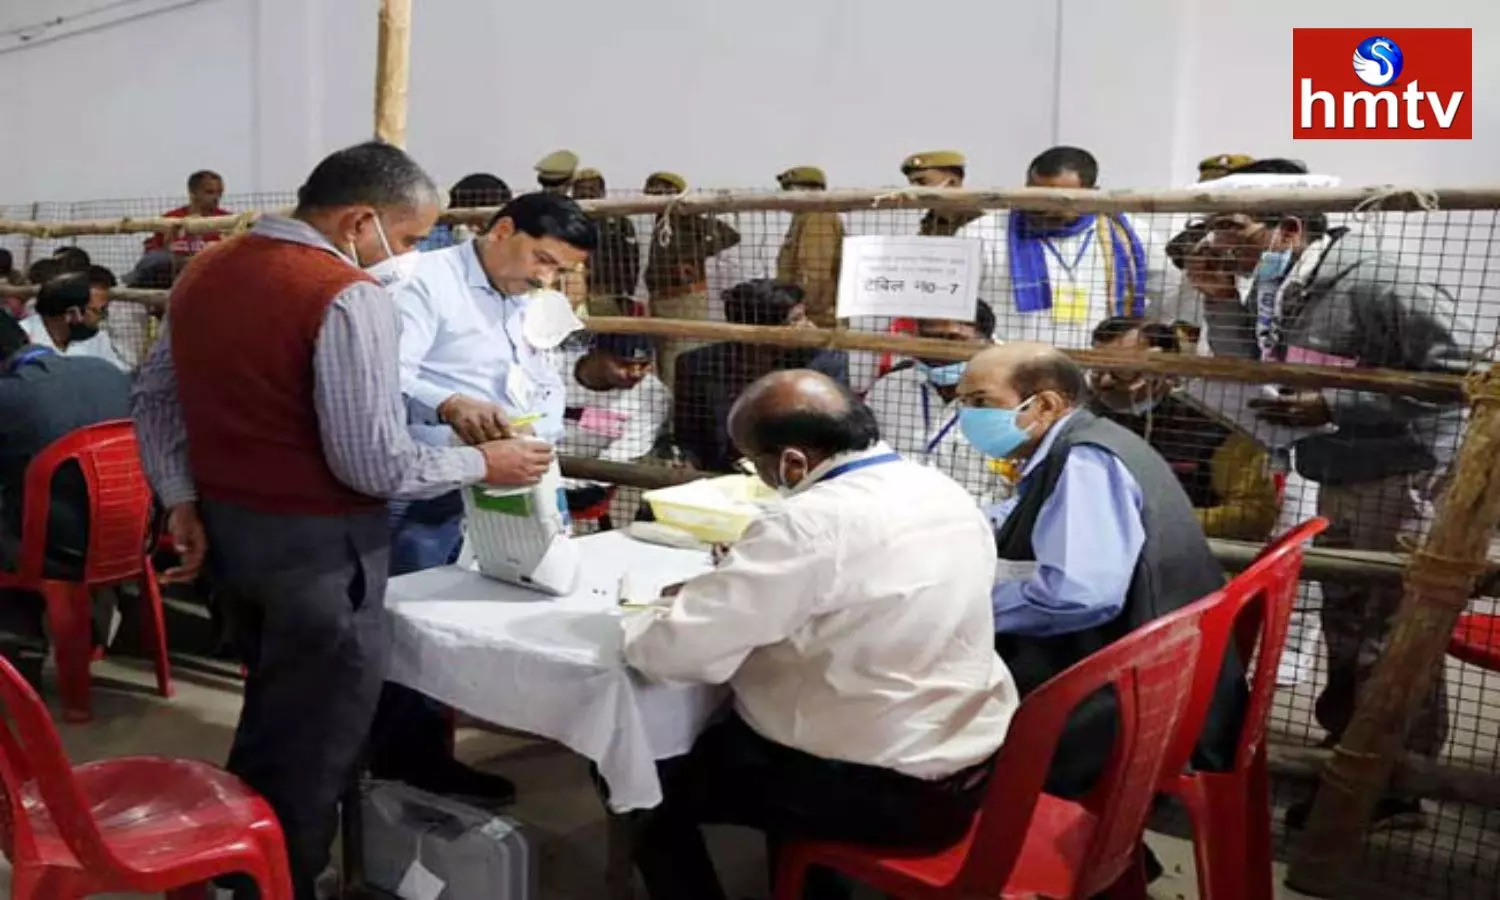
<point>518,388</point>
<point>1070,302</point>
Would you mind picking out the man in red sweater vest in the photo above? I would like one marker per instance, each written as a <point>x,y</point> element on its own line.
<point>271,407</point>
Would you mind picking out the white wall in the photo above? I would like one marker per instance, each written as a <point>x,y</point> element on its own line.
<point>124,102</point>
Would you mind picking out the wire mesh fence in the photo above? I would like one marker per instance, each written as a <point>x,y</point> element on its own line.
<point>1413,295</point>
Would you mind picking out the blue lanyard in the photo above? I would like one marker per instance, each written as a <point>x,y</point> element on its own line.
<point>1088,240</point>
<point>27,355</point>
<point>937,439</point>
<point>856,464</point>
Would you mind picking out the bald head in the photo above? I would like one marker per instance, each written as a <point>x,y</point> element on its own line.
<point>789,422</point>
<point>1008,374</point>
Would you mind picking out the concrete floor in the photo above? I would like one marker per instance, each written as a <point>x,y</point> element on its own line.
<point>556,798</point>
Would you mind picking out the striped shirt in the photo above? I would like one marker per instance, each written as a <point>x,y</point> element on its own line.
<point>357,394</point>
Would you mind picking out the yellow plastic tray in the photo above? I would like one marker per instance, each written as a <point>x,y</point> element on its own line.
<point>716,510</point>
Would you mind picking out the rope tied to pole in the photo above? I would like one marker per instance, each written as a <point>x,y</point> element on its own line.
<point>664,221</point>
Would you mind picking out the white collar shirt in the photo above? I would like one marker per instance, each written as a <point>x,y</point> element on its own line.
<point>99,346</point>
<point>923,427</point>
<point>459,335</point>
<point>614,426</point>
<point>1077,268</point>
<point>852,622</point>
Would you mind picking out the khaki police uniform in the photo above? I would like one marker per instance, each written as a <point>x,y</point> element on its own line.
<point>812,250</point>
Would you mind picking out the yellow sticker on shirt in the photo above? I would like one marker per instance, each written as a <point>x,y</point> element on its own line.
<point>1070,302</point>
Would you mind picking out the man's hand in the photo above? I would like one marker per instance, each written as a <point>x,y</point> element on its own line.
<point>476,421</point>
<point>190,539</point>
<point>515,462</point>
<point>1307,409</point>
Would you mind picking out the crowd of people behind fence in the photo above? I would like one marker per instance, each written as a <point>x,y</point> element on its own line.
<point>1267,286</point>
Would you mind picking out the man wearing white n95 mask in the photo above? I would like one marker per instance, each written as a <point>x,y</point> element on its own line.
<point>853,624</point>
<point>475,334</point>
<point>475,331</point>
<point>285,488</point>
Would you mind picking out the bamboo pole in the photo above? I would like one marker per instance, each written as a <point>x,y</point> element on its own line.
<point>1056,200</point>
<point>392,71</point>
<point>1439,581</point>
<point>1422,385</point>
<point>148,297</point>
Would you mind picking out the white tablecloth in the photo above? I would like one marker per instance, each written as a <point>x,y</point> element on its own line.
<point>552,666</point>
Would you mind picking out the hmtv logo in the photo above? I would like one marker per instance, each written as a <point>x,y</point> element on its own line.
<point>1392,83</point>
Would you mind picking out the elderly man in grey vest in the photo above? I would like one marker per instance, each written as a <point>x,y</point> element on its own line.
<point>1097,540</point>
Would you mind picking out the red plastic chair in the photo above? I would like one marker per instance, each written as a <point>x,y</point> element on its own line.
<point>1476,641</point>
<point>144,824</point>
<point>599,512</point>
<point>1025,843</point>
<point>119,551</point>
<point>1231,811</point>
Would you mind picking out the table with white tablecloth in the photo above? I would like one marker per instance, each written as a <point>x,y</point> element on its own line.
<point>553,666</point>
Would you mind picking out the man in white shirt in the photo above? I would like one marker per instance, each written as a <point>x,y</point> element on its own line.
<point>851,624</point>
<point>616,408</point>
<point>1053,278</point>
<point>476,336</point>
<point>68,317</point>
<point>916,407</point>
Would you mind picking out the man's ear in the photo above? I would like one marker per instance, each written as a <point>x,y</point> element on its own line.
<point>1051,402</point>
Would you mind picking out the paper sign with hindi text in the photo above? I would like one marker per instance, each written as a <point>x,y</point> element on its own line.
<point>909,276</point>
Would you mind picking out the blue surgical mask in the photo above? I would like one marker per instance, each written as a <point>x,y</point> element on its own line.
<point>941,376</point>
<point>1273,265</point>
<point>993,432</point>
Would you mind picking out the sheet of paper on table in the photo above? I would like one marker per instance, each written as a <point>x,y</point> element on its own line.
<point>908,275</point>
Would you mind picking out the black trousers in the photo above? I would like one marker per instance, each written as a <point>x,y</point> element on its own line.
<point>734,776</point>
<point>305,597</point>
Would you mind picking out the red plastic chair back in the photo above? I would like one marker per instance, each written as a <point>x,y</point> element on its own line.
<point>119,503</point>
<point>1476,640</point>
<point>599,510</point>
<point>1152,672</point>
<point>30,752</point>
<point>1258,602</point>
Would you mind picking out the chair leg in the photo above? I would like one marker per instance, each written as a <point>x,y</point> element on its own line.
<point>69,616</point>
<point>791,873</point>
<point>1220,842</point>
<point>1259,881</point>
<point>1132,884</point>
<point>154,630</point>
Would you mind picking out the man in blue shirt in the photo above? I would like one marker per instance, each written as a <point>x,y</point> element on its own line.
<point>476,342</point>
<point>1098,539</point>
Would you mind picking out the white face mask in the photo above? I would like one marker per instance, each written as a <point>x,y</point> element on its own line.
<point>394,271</point>
<point>548,319</point>
<point>383,271</point>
